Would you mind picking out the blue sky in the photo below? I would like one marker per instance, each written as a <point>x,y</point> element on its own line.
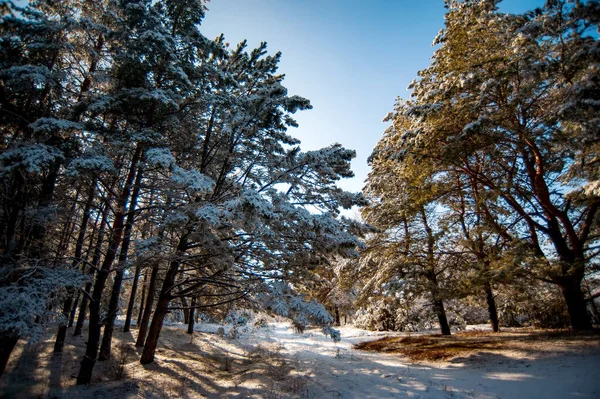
<point>351,58</point>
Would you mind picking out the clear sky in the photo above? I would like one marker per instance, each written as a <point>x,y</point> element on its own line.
<point>350,58</point>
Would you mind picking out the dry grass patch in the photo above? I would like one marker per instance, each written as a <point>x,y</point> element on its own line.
<point>526,342</point>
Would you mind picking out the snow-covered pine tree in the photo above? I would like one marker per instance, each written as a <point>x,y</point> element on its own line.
<point>38,87</point>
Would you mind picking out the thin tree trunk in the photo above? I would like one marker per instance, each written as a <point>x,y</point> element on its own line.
<point>337,315</point>
<point>74,309</point>
<point>143,324</point>
<point>162,306</point>
<point>89,359</point>
<point>59,343</point>
<point>192,315</point>
<point>113,307</point>
<point>492,310</point>
<point>91,271</point>
<point>131,303</point>
<point>186,310</point>
<point>143,300</point>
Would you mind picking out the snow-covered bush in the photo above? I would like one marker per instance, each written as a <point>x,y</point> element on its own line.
<point>282,300</point>
<point>31,298</point>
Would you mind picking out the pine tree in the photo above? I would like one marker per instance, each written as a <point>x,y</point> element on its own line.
<point>509,102</point>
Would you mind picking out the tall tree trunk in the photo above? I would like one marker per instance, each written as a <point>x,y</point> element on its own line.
<point>337,315</point>
<point>151,292</point>
<point>131,303</point>
<point>74,309</point>
<point>91,272</point>
<point>89,359</point>
<point>491,304</point>
<point>113,307</point>
<point>162,306</point>
<point>143,300</point>
<point>192,316</point>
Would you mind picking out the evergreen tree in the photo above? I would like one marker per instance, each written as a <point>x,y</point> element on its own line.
<point>509,103</point>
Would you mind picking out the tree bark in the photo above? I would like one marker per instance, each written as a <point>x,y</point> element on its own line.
<point>192,316</point>
<point>74,309</point>
<point>438,306</point>
<point>576,303</point>
<point>492,310</point>
<point>143,300</point>
<point>83,307</point>
<point>131,303</point>
<point>143,324</point>
<point>59,343</point>
<point>162,306</point>
<point>337,315</point>
<point>186,310</point>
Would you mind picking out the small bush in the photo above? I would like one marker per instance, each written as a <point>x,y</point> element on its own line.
<point>122,355</point>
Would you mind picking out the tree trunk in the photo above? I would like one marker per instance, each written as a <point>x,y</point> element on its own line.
<point>576,304</point>
<point>337,315</point>
<point>109,321</point>
<point>492,310</point>
<point>186,310</point>
<point>192,316</point>
<point>62,329</point>
<point>89,359</point>
<point>74,309</point>
<point>83,307</point>
<point>131,304</point>
<point>7,344</point>
<point>438,305</point>
<point>113,307</point>
<point>162,306</point>
<point>143,300</point>
<point>143,324</point>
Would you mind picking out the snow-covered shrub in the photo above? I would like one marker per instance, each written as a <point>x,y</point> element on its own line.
<point>239,317</point>
<point>282,300</point>
<point>31,297</point>
<point>399,313</point>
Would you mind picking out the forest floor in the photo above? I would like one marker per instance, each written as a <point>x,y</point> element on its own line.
<point>275,362</point>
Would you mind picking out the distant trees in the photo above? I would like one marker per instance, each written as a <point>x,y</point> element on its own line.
<point>132,144</point>
<point>499,142</point>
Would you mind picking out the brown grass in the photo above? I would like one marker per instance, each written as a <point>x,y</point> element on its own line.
<point>523,342</point>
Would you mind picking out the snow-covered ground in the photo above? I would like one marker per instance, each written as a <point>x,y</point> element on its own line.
<point>338,371</point>
<point>274,362</point>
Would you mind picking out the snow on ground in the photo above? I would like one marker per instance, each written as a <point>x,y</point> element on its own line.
<point>339,371</point>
